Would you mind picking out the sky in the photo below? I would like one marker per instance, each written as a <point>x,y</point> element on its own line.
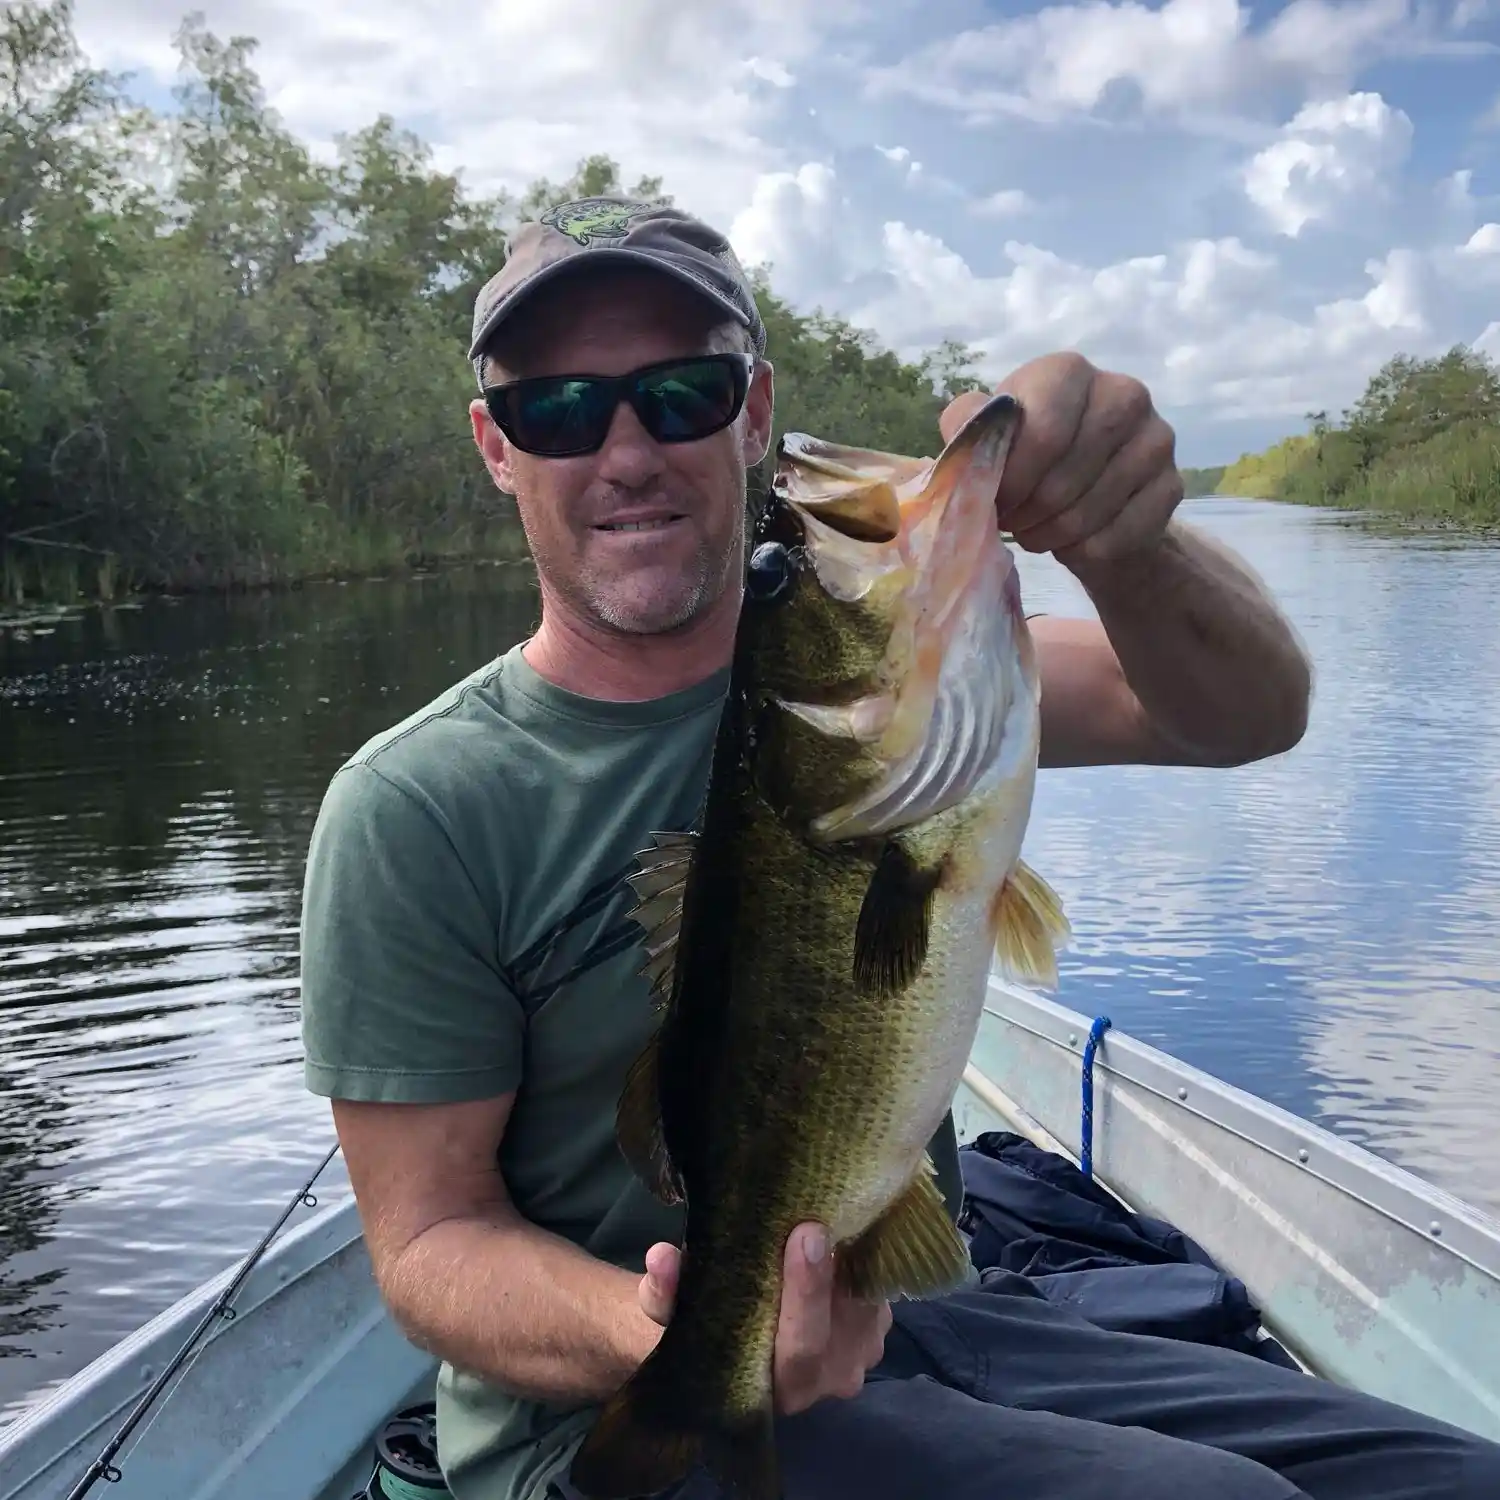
<point>1249,207</point>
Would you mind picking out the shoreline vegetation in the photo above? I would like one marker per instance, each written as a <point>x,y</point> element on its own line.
<point>224,364</point>
<point>1421,446</point>
<point>227,365</point>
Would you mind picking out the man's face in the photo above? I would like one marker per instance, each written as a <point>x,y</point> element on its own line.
<point>678,567</point>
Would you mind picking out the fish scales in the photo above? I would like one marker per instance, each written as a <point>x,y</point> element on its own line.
<point>822,945</point>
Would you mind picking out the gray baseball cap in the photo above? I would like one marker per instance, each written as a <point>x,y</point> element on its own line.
<point>604,231</point>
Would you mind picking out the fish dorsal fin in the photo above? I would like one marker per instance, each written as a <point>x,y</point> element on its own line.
<point>658,884</point>
<point>639,1131</point>
<point>911,1250</point>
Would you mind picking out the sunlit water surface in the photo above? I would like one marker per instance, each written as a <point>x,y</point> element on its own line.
<point>1322,928</point>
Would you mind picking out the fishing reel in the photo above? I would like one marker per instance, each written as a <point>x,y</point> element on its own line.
<point>406,1458</point>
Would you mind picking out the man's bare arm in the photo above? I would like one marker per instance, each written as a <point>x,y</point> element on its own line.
<point>465,1275</point>
<point>1189,663</point>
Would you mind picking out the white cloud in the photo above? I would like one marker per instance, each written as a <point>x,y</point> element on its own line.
<point>1005,204</point>
<point>1488,342</point>
<point>771,72</point>
<point>1467,13</point>
<point>790,217</point>
<point>915,172</point>
<point>1183,54</point>
<point>508,92</point>
<point>1457,190</point>
<point>1181,252</point>
<point>1334,154</point>
<point>1196,320</point>
<point>797,224</point>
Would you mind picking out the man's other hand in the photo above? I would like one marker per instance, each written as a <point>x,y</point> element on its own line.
<point>826,1340</point>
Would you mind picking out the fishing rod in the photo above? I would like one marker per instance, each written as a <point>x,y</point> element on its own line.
<point>103,1467</point>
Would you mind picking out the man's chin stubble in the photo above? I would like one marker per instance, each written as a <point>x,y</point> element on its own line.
<point>620,617</point>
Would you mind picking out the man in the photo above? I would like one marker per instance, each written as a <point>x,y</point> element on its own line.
<point>470,984</point>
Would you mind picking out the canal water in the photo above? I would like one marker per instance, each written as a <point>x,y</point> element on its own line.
<point>1322,928</point>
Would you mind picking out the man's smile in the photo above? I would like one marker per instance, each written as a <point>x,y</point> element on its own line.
<point>626,524</point>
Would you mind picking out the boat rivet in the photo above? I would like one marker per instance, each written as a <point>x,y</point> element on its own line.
<point>1182,1093</point>
<point>147,1371</point>
<point>1435,1228</point>
<point>1072,1038</point>
<point>1302,1154</point>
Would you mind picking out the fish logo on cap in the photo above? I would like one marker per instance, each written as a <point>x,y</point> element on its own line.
<point>588,219</point>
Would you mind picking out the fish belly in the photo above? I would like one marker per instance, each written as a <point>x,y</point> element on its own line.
<point>931,1026</point>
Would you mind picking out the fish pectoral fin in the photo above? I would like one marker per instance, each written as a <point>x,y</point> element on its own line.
<point>912,1250</point>
<point>890,937</point>
<point>1030,926</point>
<point>638,1128</point>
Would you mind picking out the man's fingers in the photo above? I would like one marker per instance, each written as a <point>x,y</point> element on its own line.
<point>1118,410</point>
<point>1150,509</point>
<point>806,1320</point>
<point>1053,393</point>
<point>1144,455</point>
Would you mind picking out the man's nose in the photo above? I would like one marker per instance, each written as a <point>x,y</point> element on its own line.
<point>629,457</point>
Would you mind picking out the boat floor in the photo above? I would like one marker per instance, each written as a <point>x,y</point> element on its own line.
<point>350,1482</point>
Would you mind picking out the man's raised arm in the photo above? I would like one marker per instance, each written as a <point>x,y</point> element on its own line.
<point>1190,661</point>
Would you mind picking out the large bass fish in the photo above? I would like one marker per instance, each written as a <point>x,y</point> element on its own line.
<point>821,946</point>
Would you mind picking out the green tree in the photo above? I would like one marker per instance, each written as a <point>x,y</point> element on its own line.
<point>1422,440</point>
<point>223,362</point>
<point>595,177</point>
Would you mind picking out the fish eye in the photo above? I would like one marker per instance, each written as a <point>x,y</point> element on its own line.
<point>771,573</point>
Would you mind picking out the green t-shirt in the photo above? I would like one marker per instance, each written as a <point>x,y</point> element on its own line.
<point>466,933</point>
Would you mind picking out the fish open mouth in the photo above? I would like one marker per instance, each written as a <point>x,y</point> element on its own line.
<point>915,542</point>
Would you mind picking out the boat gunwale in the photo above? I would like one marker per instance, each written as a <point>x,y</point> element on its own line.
<point>95,1398</point>
<point>1470,1235</point>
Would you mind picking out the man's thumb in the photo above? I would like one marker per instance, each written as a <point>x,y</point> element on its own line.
<point>958,411</point>
<point>658,1289</point>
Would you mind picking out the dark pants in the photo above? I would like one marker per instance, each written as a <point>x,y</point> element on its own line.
<point>997,1394</point>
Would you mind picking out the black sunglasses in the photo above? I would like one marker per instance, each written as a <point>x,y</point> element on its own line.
<point>677,401</point>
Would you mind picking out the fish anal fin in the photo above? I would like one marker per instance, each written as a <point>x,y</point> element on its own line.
<point>638,1128</point>
<point>912,1250</point>
<point>1030,927</point>
<point>890,936</point>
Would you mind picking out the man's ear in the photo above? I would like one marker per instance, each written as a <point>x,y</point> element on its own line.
<point>492,446</point>
<point>760,412</point>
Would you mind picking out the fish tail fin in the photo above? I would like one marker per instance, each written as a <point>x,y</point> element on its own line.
<point>659,1425</point>
<point>1030,926</point>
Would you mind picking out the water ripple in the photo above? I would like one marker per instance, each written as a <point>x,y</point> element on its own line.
<point>1319,928</point>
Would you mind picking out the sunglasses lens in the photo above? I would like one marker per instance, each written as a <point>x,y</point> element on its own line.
<point>689,401</point>
<point>558,416</point>
<point>571,414</point>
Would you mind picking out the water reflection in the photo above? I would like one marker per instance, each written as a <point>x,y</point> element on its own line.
<point>1324,928</point>
<point>1321,928</point>
<point>160,769</point>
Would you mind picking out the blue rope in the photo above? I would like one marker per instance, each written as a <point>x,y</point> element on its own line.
<point>1086,1153</point>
